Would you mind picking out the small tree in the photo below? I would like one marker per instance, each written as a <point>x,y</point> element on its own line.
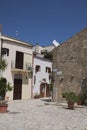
<point>3,64</point>
<point>49,56</point>
<point>4,86</point>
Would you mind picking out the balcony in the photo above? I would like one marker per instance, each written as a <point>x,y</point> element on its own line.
<point>26,68</point>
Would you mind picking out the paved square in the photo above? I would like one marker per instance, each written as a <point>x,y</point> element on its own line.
<point>35,114</point>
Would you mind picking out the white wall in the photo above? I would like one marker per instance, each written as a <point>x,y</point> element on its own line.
<point>42,74</point>
<point>13,47</point>
<point>49,48</point>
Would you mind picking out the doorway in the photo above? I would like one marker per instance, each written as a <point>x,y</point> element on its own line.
<point>17,89</point>
<point>44,90</point>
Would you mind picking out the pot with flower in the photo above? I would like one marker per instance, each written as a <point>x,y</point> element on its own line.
<point>37,95</point>
<point>4,87</point>
<point>79,99</point>
<point>85,95</point>
<point>71,99</point>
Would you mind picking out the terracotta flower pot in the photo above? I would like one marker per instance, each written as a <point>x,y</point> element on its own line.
<point>86,102</point>
<point>79,102</point>
<point>3,108</point>
<point>71,105</point>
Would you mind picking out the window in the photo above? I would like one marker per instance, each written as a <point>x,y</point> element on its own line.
<point>37,68</point>
<point>19,60</point>
<point>48,69</point>
<point>5,51</point>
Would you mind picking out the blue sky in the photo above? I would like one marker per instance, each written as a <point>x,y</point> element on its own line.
<point>42,21</point>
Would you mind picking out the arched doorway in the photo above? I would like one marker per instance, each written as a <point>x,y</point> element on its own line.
<point>44,90</point>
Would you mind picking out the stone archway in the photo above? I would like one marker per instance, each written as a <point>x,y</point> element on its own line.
<point>44,90</point>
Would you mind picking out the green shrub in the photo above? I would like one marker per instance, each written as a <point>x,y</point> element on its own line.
<point>71,97</point>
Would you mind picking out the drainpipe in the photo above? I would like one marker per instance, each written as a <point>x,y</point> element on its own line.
<point>0,40</point>
<point>37,48</point>
<point>0,45</point>
<point>0,48</point>
<point>32,75</point>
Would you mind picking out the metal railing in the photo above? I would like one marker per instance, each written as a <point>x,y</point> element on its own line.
<point>27,66</point>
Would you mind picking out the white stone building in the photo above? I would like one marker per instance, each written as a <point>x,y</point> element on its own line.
<point>42,71</point>
<point>18,56</point>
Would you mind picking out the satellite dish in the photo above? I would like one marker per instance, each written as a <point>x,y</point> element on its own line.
<point>55,43</point>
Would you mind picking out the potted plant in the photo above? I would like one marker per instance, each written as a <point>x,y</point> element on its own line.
<point>64,94</point>
<point>71,99</point>
<point>86,99</point>
<point>79,99</point>
<point>37,95</point>
<point>4,87</point>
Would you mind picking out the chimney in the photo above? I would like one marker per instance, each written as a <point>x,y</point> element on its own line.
<point>37,48</point>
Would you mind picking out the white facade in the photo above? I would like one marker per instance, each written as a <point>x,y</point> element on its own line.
<point>49,48</point>
<point>14,72</point>
<point>41,74</point>
<point>40,49</point>
<point>41,78</point>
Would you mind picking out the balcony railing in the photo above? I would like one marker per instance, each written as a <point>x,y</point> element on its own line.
<point>26,66</point>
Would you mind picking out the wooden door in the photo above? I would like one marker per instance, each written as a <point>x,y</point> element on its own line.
<point>47,90</point>
<point>19,60</point>
<point>42,90</point>
<point>17,89</point>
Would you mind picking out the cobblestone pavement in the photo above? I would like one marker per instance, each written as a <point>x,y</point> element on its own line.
<point>35,114</point>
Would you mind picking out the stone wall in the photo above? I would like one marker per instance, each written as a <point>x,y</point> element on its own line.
<point>70,60</point>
